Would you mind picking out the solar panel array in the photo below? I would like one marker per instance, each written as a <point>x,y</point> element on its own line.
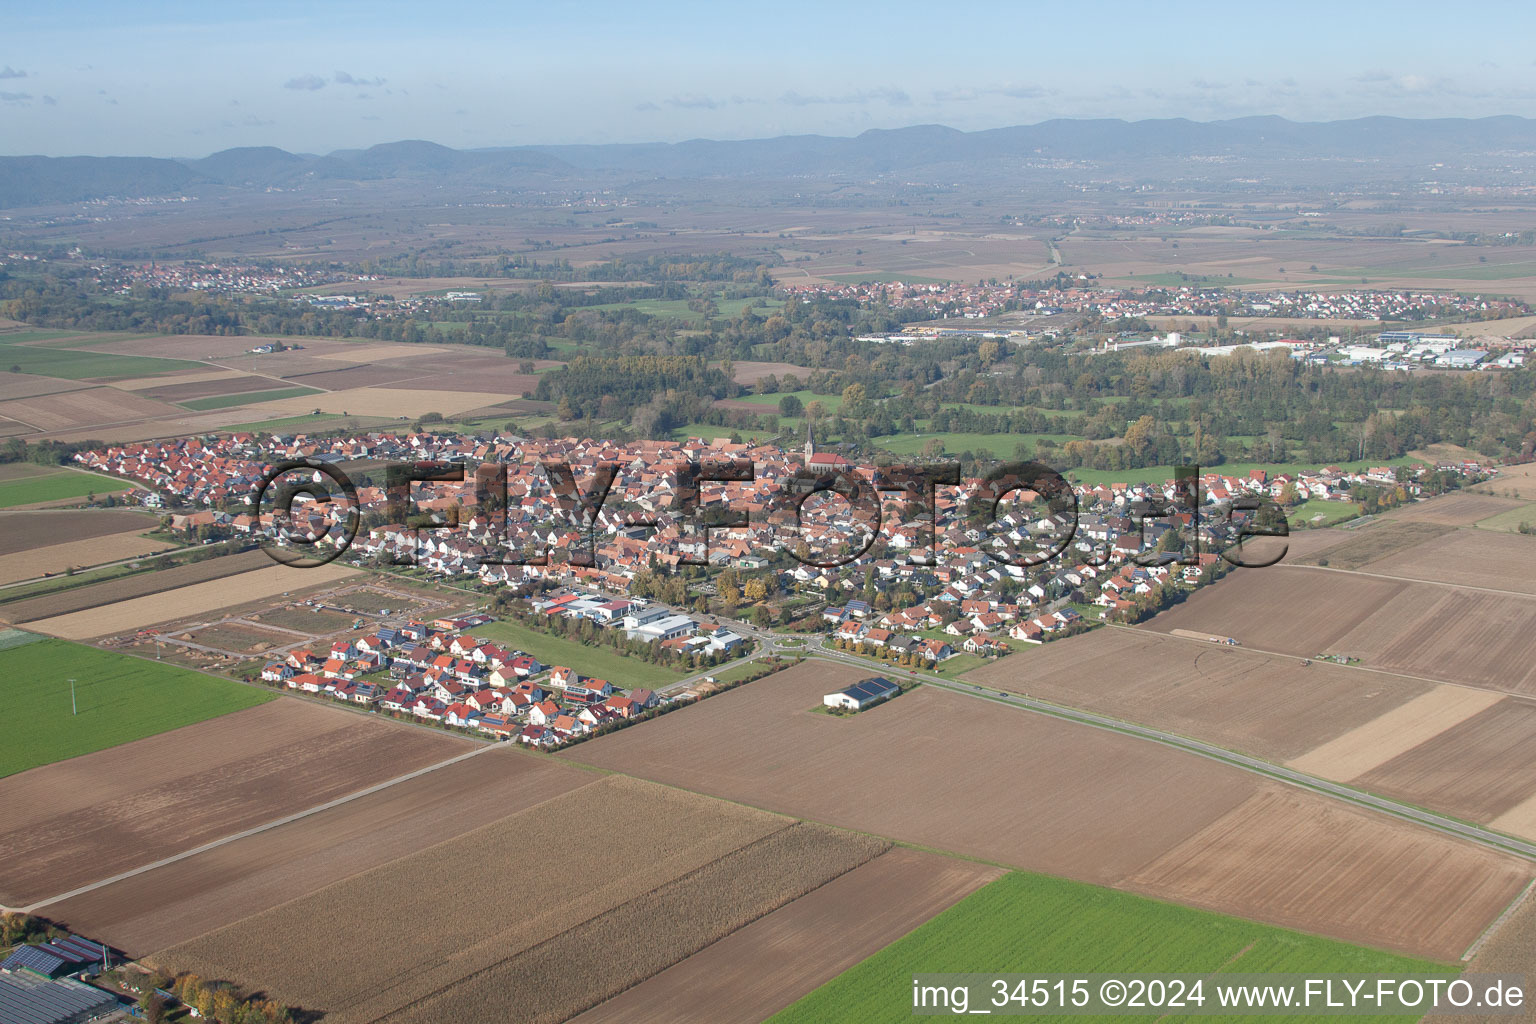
<point>36,958</point>
<point>26,999</point>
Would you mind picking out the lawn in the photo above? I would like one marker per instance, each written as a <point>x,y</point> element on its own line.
<point>1331,511</point>
<point>119,699</point>
<point>1040,925</point>
<point>247,398</point>
<point>601,662</point>
<point>55,486</point>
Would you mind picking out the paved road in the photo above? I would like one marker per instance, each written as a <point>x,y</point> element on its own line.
<point>1269,769</point>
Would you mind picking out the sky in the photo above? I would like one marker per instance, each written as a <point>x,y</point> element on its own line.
<point>188,79</point>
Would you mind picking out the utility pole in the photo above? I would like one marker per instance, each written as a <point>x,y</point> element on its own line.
<point>74,709</point>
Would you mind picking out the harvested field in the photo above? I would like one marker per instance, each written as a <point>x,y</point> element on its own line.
<point>387,402</point>
<point>183,390</point>
<point>1282,608</point>
<point>1477,769</point>
<point>1074,800</point>
<point>22,531</point>
<point>753,973</point>
<point>1519,820</point>
<point>601,957</point>
<point>1084,803</point>
<point>747,371</point>
<point>654,834</point>
<point>1398,625</point>
<point>11,428</point>
<point>28,385</point>
<point>111,592</point>
<point>75,410</point>
<point>1244,700</point>
<point>197,599</point>
<point>73,822</point>
<point>1471,558</point>
<point>180,901</point>
<point>356,377</point>
<point>1455,509</point>
<point>1508,951</point>
<point>1289,859</point>
<point>1398,731</point>
<point>1370,542</point>
<point>303,618</point>
<point>169,379</point>
<point>58,558</point>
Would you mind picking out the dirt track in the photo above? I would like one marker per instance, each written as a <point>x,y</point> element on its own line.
<point>67,824</point>
<point>181,901</point>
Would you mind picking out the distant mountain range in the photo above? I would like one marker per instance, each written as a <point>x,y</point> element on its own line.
<point>934,149</point>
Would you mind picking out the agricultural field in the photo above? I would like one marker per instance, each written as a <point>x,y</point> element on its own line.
<point>247,398</point>
<point>1084,803</point>
<point>56,485</point>
<point>217,887</point>
<point>96,595</point>
<point>199,599</point>
<point>1460,508</point>
<point>1510,519</point>
<point>1478,768</point>
<point>20,354</point>
<point>1357,546</point>
<point>1471,558</point>
<point>1030,923</point>
<point>1001,446</point>
<point>685,870</point>
<point>26,530</point>
<point>602,662</point>
<point>88,818</point>
<point>1298,862</point>
<point>1348,756</point>
<point>1416,628</point>
<point>751,973</point>
<point>1244,700</point>
<point>116,699</point>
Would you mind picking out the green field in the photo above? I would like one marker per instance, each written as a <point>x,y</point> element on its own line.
<point>1157,474</point>
<point>1032,923</point>
<point>1331,511</point>
<point>1509,520</point>
<point>770,403</point>
<point>997,445</point>
<point>119,699</point>
<point>677,309</point>
<point>601,662</point>
<point>1173,279</point>
<point>56,486</point>
<point>70,364</point>
<point>247,398</point>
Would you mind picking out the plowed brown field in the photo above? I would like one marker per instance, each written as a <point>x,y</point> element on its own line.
<point>751,974</point>
<point>1245,700</point>
<point>535,875</point>
<point>1470,558</point>
<point>180,901</point>
<point>1477,769</point>
<point>1456,509</point>
<point>1294,860</point>
<point>78,821</point>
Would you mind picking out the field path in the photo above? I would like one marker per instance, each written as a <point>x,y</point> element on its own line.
<point>215,844</point>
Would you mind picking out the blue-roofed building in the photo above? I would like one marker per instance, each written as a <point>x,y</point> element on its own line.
<point>862,694</point>
<point>43,961</point>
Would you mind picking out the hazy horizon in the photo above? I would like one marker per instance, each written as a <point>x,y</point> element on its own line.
<point>176,79</point>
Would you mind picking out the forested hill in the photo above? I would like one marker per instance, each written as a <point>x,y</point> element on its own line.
<point>1392,148</point>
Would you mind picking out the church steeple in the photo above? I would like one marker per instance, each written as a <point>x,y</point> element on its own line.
<point>810,443</point>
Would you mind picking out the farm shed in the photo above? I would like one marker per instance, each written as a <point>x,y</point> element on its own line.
<point>862,694</point>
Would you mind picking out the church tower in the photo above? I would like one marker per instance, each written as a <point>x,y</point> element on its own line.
<point>810,443</point>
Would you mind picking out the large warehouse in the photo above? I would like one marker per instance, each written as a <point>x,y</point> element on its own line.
<point>27,998</point>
